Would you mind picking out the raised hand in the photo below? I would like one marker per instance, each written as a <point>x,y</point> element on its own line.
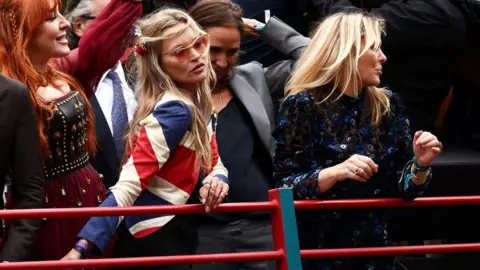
<point>252,26</point>
<point>426,148</point>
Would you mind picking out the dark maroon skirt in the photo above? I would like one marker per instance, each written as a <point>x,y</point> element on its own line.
<point>81,188</point>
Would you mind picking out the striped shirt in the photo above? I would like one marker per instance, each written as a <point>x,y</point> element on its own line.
<point>160,171</point>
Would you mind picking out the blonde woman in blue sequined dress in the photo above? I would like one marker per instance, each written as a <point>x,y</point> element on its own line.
<point>341,137</point>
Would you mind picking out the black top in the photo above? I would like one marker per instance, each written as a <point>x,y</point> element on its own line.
<point>67,136</point>
<point>21,152</point>
<point>247,160</point>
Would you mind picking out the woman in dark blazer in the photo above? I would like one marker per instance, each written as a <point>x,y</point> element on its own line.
<point>20,154</point>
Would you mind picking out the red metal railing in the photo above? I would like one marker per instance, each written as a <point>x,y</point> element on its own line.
<point>386,203</point>
<point>386,251</point>
<point>148,261</point>
<point>272,206</point>
<point>279,223</point>
<point>137,210</point>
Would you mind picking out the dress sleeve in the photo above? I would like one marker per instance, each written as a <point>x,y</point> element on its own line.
<point>294,162</point>
<point>218,170</point>
<point>161,132</point>
<point>403,138</point>
<point>102,45</point>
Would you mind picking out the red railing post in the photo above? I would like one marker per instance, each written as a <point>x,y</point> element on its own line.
<point>284,229</point>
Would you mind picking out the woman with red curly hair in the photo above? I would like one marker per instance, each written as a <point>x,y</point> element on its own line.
<point>33,33</point>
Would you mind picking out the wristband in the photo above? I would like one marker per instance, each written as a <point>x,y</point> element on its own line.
<point>417,168</point>
<point>82,248</point>
<point>259,27</point>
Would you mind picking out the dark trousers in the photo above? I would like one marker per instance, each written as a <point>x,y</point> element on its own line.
<point>238,236</point>
<point>177,237</point>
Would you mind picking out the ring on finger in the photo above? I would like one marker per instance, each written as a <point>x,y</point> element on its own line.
<point>357,170</point>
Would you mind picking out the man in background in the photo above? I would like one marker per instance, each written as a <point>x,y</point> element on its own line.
<point>113,103</point>
<point>80,13</point>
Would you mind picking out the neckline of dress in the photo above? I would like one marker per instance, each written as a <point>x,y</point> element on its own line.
<point>59,99</point>
<point>350,99</point>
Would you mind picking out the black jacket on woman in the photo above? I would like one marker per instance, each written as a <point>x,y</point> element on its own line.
<point>21,154</point>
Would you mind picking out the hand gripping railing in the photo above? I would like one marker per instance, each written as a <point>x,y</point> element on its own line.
<point>286,248</point>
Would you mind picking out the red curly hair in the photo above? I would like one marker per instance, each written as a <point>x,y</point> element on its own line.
<point>19,19</point>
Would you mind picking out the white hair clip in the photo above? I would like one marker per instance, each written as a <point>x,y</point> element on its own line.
<point>139,46</point>
<point>138,32</point>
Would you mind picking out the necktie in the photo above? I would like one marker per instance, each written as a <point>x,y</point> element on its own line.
<point>119,114</point>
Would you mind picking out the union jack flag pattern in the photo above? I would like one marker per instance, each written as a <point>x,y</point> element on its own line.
<point>159,171</point>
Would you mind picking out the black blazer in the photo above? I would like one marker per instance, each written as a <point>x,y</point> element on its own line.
<point>20,150</point>
<point>105,161</point>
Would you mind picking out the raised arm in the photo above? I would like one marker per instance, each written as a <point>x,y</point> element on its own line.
<point>27,180</point>
<point>411,184</point>
<point>285,39</point>
<point>103,44</point>
<point>162,132</point>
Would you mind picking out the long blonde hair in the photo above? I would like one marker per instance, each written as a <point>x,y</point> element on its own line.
<point>153,82</point>
<point>329,65</point>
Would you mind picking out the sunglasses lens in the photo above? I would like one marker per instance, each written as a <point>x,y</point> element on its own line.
<point>199,46</point>
<point>183,54</point>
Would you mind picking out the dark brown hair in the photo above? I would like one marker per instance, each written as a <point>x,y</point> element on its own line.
<point>214,13</point>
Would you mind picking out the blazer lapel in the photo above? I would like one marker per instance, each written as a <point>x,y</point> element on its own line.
<point>252,102</point>
<point>104,136</point>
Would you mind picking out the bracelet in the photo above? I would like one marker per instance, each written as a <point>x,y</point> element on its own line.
<point>417,168</point>
<point>82,248</point>
<point>418,179</point>
<point>259,27</point>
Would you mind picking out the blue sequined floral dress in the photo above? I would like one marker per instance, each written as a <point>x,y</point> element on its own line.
<point>311,136</point>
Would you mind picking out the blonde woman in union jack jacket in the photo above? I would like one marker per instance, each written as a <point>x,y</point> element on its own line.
<point>170,141</point>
